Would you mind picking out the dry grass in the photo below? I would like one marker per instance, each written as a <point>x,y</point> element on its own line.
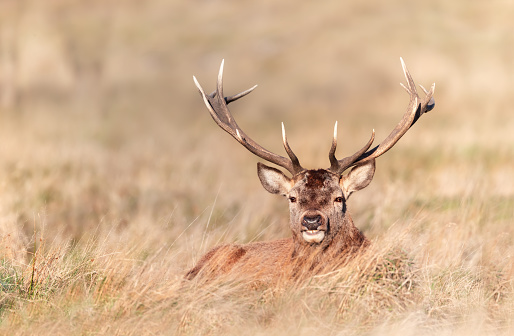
<point>114,180</point>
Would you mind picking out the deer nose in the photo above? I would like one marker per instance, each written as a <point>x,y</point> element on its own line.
<point>311,222</point>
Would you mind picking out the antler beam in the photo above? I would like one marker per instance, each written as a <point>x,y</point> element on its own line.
<point>217,105</point>
<point>415,109</point>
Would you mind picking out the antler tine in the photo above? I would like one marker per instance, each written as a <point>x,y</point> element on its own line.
<point>292,156</point>
<point>332,152</point>
<point>230,99</point>
<point>336,164</point>
<point>339,166</point>
<point>216,103</point>
<point>219,82</point>
<point>415,109</point>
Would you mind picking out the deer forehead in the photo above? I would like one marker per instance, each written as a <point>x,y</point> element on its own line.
<point>318,184</point>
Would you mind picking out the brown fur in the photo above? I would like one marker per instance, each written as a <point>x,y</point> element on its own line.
<point>315,191</point>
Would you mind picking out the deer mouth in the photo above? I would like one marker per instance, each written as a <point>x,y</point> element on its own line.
<point>313,236</point>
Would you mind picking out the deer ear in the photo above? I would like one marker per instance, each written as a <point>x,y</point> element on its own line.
<point>358,178</point>
<point>273,180</point>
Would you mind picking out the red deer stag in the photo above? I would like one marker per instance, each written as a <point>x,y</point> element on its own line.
<point>323,232</point>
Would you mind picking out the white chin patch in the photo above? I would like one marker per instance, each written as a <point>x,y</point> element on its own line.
<point>313,236</point>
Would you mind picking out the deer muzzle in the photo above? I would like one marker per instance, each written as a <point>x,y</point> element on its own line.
<point>314,226</point>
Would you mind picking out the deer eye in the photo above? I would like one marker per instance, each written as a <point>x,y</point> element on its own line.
<point>292,199</point>
<point>338,199</point>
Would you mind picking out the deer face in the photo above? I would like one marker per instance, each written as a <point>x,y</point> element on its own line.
<point>317,198</point>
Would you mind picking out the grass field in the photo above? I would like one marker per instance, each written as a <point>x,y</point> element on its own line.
<point>114,180</point>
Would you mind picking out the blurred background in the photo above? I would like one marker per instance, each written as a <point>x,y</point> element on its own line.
<point>102,128</point>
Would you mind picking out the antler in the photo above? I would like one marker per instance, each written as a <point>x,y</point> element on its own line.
<point>217,105</point>
<point>415,109</point>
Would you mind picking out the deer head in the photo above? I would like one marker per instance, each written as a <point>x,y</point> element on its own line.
<point>317,198</point>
